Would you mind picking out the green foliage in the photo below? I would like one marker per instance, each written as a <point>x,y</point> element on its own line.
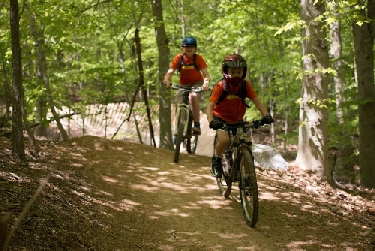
<point>83,41</point>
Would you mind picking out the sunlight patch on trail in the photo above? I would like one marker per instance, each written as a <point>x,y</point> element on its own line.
<point>215,202</point>
<point>268,196</point>
<point>192,205</point>
<point>299,244</point>
<point>109,179</point>
<point>150,168</point>
<point>164,173</point>
<point>128,205</point>
<point>172,212</point>
<point>232,236</point>
<point>144,187</point>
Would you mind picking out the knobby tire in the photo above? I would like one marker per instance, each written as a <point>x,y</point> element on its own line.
<point>180,135</point>
<point>191,139</point>
<point>248,188</point>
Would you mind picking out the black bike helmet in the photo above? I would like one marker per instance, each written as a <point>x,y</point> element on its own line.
<point>189,41</point>
<point>235,61</point>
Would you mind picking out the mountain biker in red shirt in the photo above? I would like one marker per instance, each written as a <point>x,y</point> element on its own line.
<point>232,108</point>
<point>190,75</point>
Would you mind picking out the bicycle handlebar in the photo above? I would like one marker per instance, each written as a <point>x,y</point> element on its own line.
<point>253,124</point>
<point>188,88</point>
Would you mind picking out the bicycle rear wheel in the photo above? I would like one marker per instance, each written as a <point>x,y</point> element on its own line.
<point>248,188</point>
<point>180,135</point>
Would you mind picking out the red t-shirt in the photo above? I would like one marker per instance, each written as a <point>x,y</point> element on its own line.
<point>189,75</point>
<point>231,109</point>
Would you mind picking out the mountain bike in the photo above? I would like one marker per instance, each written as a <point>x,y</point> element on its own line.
<point>238,166</point>
<point>184,123</point>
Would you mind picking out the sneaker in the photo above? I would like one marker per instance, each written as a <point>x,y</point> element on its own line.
<point>216,167</point>
<point>197,128</point>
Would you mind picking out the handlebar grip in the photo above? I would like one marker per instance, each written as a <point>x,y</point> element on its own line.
<point>257,124</point>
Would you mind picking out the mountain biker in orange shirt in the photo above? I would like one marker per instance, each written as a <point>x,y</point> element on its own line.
<point>190,75</point>
<point>232,108</point>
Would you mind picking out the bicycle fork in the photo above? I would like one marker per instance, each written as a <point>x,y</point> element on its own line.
<point>186,118</point>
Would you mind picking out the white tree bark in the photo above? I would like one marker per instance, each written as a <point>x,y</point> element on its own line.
<point>312,149</point>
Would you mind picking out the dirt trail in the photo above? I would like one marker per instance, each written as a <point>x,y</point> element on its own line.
<point>107,195</point>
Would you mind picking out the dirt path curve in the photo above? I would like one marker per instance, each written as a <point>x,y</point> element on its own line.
<point>113,195</point>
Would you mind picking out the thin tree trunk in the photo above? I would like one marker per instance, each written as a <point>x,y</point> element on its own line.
<point>272,105</point>
<point>142,85</point>
<point>7,91</point>
<point>183,26</point>
<point>18,145</point>
<point>40,45</point>
<point>41,113</point>
<point>343,156</point>
<point>165,98</point>
<point>127,97</point>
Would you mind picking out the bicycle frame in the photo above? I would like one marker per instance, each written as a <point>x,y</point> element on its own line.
<point>238,142</point>
<point>187,113</point>
<point>184,121</point>
<point>238,165</point>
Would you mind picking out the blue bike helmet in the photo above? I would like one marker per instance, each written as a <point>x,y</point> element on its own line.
<point>189,41</point>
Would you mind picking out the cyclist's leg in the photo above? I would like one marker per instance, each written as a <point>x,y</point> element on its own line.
<point>194,100</point>
<point>222,144</point>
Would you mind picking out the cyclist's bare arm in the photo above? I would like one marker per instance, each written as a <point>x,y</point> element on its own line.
<point>261,107</point>
<point>206,80</point>
<point>168,77</point>
<point>210,111</point>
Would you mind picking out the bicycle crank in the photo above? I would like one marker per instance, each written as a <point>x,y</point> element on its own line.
<point>228,191</point>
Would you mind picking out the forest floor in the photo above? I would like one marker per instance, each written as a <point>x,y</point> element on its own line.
<point>93,193</point>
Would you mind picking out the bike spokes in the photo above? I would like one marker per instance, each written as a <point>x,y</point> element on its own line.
<point>180,136</point>
<point>248,189</point>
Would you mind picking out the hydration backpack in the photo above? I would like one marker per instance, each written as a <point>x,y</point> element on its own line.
<point>181,62</point>
<point>241,93</point>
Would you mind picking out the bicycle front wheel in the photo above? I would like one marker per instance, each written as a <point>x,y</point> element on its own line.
<point>180,135</point>
<point>191,139</point>
<point>248,188</point>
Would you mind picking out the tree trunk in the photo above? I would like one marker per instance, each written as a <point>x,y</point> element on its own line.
<point>343,157</point>
<point>5,120</point>
<point>363,46</point>
<point>312,149</point>
<point>127,96</point>
<point>183,25</point>
<point>18,146</point>
<point>142,85</point>
<point>41,58</point>
<point>165,98</point>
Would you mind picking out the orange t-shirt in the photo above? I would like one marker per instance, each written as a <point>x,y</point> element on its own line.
<point>231,109</point>
<point>189,75</point>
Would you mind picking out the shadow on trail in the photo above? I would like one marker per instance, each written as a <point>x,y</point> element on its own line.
<point>135,197</point>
